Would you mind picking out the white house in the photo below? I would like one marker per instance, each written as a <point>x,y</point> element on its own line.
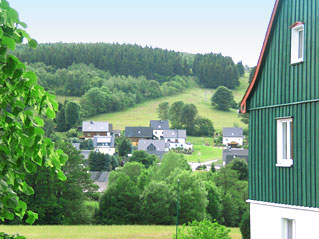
<point>176,138</point>
<point>158,127</point>
<point>233,136</point>
<point>104,144</point>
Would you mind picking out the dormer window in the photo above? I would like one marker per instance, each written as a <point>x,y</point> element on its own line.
<point>297,42</point>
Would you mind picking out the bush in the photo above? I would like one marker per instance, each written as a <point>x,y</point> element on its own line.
<point>203,230</point>
<point>245,225</point>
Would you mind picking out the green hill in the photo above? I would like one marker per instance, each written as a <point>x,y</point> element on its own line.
<point>141,114</point>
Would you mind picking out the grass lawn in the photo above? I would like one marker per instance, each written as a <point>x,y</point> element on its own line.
<point>141,114</point>
<point>98,232</point>
<point>204,153</point>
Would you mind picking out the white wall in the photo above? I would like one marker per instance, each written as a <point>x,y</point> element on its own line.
<point>158,133</point>
<point>106,150</point>
<point>266,220</point>
<point>227,140</point>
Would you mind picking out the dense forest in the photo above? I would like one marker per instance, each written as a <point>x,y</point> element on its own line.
<point>113,77</point>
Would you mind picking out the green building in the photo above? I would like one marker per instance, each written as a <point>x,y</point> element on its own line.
<point>283,105</point>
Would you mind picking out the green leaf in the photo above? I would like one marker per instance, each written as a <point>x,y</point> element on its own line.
<point>1,32</point>
<point>4,149</point>
<point>26,189</point>
<point>61,176</point>
<point>38,131</point>
<point>31,76</point>
<point>3,185</point>
<point>9,42</point>
<point>8,215</point>
<point>39,121</point>
<point>31,217</point>
<point>50,113</point>
<point>33,43</point>
<point>23,24</point>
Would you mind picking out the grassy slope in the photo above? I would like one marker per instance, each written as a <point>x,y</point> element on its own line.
<point>141,114</point>
<point>98,232</point>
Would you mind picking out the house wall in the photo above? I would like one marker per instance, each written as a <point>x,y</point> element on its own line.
<point>279,82</point>
<point>90,135</point>
<point>158,133</point>
<point>227,140</point>
<point>266,221</point>
<point>106,150</point>
<point>296,185</point>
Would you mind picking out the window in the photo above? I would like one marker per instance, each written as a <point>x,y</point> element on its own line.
<point>297,42</point>
<point>288,229</point>
<point>284,142</point>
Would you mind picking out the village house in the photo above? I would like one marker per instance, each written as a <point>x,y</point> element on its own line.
<point>176,138</point>
<point>158,127</point>
<point>156,147</point>
<point>137,133</point>
<point>233,137</point>
<point>104,144</point>
<point>96,128</point>
<point>283,105</point>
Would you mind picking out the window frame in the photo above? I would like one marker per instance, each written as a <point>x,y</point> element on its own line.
<point>281,161</point>
<point>295,43</point>
<point>285,228</point>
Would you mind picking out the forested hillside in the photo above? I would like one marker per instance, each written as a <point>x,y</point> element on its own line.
<point>114,77</point>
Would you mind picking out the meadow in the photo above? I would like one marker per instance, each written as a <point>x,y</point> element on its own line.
<point>98,232</point>
<point>141,114</point>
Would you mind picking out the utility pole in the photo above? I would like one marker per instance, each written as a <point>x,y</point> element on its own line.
<point>177,206</point>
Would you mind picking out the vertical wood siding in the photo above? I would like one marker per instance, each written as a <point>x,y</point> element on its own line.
<point>296,185</point>
<point>279,82</point>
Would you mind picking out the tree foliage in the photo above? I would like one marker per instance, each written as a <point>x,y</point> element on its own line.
<point>214,70</point>
<point>72,113</point>
<point>143,157</point>
<point>123,145</point>
<point>163,111</point>
<point>203,230</point>
<point>223,98</point>
<point>23,147</point>
<point>102,162</point>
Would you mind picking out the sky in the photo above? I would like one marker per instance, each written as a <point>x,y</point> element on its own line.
<point>231,27</point>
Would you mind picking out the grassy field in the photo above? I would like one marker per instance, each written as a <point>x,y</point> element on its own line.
<point>98,232</point>
<point>141,114</point>
<point>204,153</point>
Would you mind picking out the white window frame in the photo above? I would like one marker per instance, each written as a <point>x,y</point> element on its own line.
<point>295,43</point>
<point>281,161</point>
<point>285,228</point>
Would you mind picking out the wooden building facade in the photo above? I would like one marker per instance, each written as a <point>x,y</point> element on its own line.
<point>283,105</point>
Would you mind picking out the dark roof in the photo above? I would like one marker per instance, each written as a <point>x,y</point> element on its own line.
<point>260,60</point>
<point>229,154</point>
<point>139,132</point>
<point>159,124</point>
<point>232,132</point>
<point>95,126</point>
<point>174,133</point>
<point>159,144</point>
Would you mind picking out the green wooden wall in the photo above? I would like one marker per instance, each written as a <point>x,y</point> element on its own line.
<point>287,90</point>
<point>296,185</point>
<point>279,82</point>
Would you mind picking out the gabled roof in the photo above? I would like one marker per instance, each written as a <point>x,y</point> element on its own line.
<point>261,57</point>
<point>174,133</point>
<point>95,126</point>
<point>159,144</point>
<point>159,124</point>
<point>139,132</point>
<point>232,132</point>
<point>103,139</point>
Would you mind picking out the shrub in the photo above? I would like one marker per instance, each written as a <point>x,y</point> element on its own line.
<point>203,230</point>
<point>245,225</point>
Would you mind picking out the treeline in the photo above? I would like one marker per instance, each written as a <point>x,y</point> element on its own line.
<point>212,70</point>
<point>140,195</point>
<point>101,92</point>
<point>125,59</point>
<point>215,70</point>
